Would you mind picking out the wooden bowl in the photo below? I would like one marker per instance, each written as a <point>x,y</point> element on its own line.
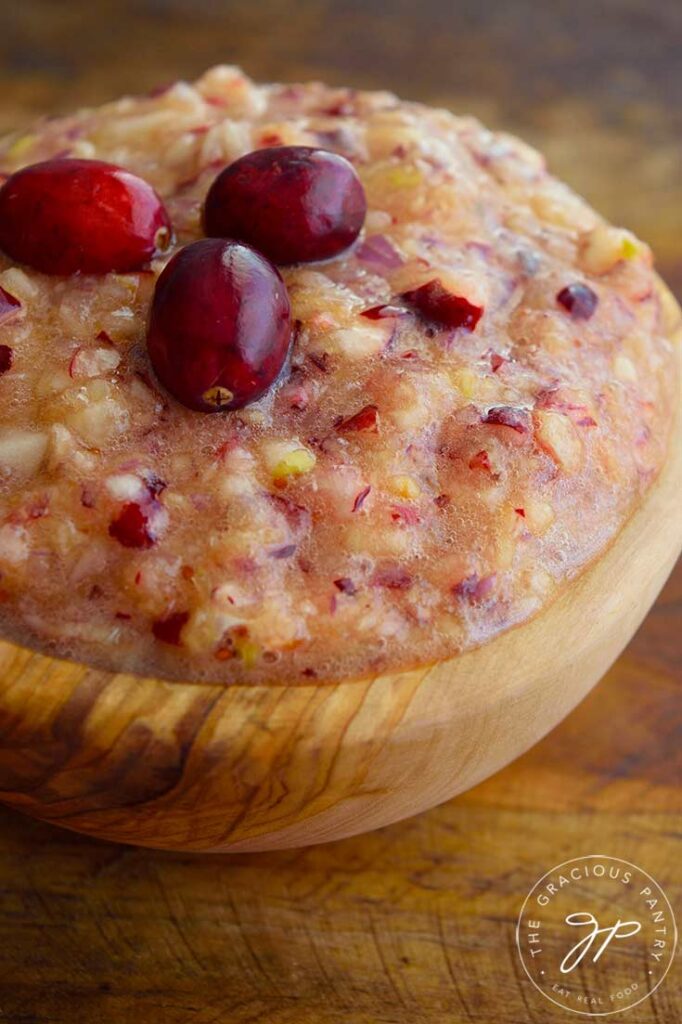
<point>189,766</point>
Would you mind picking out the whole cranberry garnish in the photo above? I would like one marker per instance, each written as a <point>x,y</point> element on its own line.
<point>436,303</point>
<point>220,325</point>
<point>579,300</point>
<point>296,204</point>
<point>64,216</point>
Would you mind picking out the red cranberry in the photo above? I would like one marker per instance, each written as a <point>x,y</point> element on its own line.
<point>64,216</point>
<point>481,460</point>
<point>579,300</point>
<point>444,307</point>
<point>296,204</point>
<point>10,307</point>
<point>366,419</point>
<point>168,630</point>
<point>361,497</point>
<point>381,312</point>
<point>133,527</point>
<point>6,359</point>
<point>393,577</point>
<point>508,416</point>
<point>474,589</point>
<point>220,325</point>
<point>346,586</point>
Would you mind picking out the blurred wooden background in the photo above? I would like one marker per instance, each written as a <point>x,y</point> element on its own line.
<point>414,923</point>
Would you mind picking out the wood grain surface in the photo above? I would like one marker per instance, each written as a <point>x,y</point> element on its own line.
<point>415,922</point>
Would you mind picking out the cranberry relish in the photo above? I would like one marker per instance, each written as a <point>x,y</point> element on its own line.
<point>478,390</point>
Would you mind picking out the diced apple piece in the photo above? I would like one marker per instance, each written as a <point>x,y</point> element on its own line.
<point>390,541</point>
<point>605,246</point>
<point>93,362</point>
<point>19,284</point>
<point>473,385</point>
<point>286,459</point>
<point>556,434</point>
<point>624,369</point>
<point>358,342</point>
<point>14,547</point>
<point>52,382</point>
<point>126,487</point>
<point>556,204</point>
<point>98,416</point>
<point>538,515</point>
<point>415,404</point>
<point>22,451</point>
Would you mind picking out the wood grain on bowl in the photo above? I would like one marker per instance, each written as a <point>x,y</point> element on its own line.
<point>200,767</point>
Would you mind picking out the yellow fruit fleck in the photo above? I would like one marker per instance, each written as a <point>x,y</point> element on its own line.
<point>247,650</point>
<point>20,146</point>
<point>294,463</point>
<point>405,487</point>
<point>629,249</point>
<point>403,177</point>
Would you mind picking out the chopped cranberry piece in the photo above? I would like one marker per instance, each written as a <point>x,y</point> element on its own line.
<point>296,204</point>
<point>393,577</point>
<point>508,416</point>
<point>442,500</point>
<point>381,312</point>
<point>366,419</point>
<point>225,654</point>
<point>480,460</point>
<point>67,216</point>
<point>6,359</point>
<point>320,360</point>
<point>39,508</point>
<point>405,514</point>
<point>378,251</point>
<point>579,300</point>
<point>132,527</point>
<point>168,630</point>
<point>286,551</point>
<point>10,307</point>
<point>298,516</point>
<point>444,307</point>
<point>473,589</point>
<point>220,326</point>
<point>346,586</point>
<point>496,361</point>
<point>360,498</point>
<point>520,512</point>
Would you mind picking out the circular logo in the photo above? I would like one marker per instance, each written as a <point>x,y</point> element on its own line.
<point>596,935</point>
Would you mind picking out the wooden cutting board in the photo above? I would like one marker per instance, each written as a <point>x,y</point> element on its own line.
<point>414,923</point>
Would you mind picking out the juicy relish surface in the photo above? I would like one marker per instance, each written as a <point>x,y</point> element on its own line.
<point>407,490</point>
